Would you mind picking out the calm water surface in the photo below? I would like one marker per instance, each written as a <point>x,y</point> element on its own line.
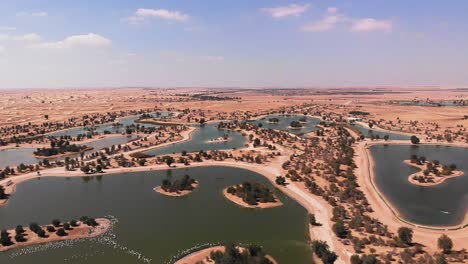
<point>15,156</point>
<point>369,132</point>
<point>152,225</point>
<point>201,141</point>
<point>443,204</point>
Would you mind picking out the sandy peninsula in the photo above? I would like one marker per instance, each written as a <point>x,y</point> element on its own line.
<point>81,231</point>
<point>239,201</point>
<point>203,256</point>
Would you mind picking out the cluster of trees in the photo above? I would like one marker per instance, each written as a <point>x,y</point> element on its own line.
<point>433,167</point>
<point>322,250</point>
<point>356,112</point>
<point>295,124</point>
<point>60,149</point>
<point>184,184</point>
<point>233,254</point>
<point>57,227</point>
<point>252,193</point>
<point>3,195</point>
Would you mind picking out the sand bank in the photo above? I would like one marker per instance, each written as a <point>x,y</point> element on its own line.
<point>160,190</point>
<point>81,231</point>
<point>203,256</point>
<point>239,201</point>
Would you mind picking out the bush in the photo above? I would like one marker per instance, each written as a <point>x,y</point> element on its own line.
<point>405,235</point>
<point>41,233</point>
<point>445,243</point>
<point>340,229</point>
<point>61,232</point>
<point>34,227</point>
<point>321,249</point>
<point>19,237</point>
<point>74,223</point>
<point>414,140</point>
<point>19,229</point>
<point>67,226</point>
<point>5,239</point>
<point>56,222</point>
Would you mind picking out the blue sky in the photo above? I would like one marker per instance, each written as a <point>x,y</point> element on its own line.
<point>232,43</point>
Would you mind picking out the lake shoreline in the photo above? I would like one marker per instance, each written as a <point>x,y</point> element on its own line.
<point>202,255</point>
<point>80,232</point>
<point>386,211</point>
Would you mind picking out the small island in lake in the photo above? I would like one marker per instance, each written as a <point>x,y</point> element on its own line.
<point>228,254</point>
<point>431,172</point>
<point>295,125</point>
<point>177,188</point>
<point>251,195</point>
<point>60,148</point>
<point>219,139</point>
<point>85,228</point>
<point>273,120</point>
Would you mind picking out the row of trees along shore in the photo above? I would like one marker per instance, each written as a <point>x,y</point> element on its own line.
<point>57,227</point>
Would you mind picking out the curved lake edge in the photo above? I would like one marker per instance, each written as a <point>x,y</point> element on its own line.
<point>128,172</point>
<point>371,174</point>
<point>381,129</point>
<point>240,202</point>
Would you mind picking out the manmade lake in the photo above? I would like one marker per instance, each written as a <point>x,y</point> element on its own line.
<point>441,205</point>
<point>151,227</point>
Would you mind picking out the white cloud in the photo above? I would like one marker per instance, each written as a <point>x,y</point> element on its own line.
<point>371,24</point>
<point>7,28</point>
<point>144,13</point>
<point>27,37</point>
<point>2,49</point>
<point>285,11</point>
<point>333,17</point>
<point>327,23</point>
<point>31,37</point>
<point>33,14</point>
<point>88,40</point>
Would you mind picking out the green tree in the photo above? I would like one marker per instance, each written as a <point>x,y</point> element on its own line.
<point>414,139</point>
<point>340,229</point>
<point>405,235</point>
<point>61,232</point>
<point>445,243</point>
